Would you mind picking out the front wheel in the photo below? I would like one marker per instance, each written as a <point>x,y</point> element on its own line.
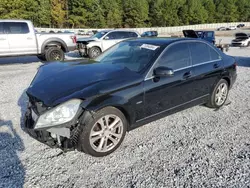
<point>54,54</point>
<point>103,133</point>
<point>219,95</point>
<point>94,52</point>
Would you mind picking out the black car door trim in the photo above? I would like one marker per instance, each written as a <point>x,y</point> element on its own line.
<point>172,108</point>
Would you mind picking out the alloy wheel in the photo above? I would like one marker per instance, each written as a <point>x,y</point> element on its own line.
<point>106,133</point>
<point>221,94</point>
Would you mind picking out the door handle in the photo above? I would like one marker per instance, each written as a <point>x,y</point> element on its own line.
<point>216,65</point>
<point>29,38</point>
<point>2,38</point>
<point>187,75</point>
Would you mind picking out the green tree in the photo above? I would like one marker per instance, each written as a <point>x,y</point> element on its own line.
<point>113,14</point>
<point>135,13</point>
<point>58,13</point>
<point>243,10</point>
<point>77,13</point>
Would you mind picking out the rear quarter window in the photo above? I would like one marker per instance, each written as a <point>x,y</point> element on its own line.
<point>214,55</point>
<point>17,27</point>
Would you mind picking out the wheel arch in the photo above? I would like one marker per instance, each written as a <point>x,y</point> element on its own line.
<point>228,80</point>
<point>95,46</point>
<point>54,42</point>
<point>120,104</point>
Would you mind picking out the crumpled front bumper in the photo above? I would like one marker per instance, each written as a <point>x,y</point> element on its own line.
<point>53,137</point>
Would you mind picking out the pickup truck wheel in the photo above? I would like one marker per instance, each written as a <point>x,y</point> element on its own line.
<point>54,54</point>
<point>103,133</point>
<point>41,57</point>
<point>94,52</point>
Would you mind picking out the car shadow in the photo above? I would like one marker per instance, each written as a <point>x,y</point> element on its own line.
<point>22,103</point>
<point>243,61</point>
<point>18,60</point>
<point>12,171</point>
<point>73,55</point>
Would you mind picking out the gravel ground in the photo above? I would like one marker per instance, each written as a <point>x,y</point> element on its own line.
<point>198,147</point>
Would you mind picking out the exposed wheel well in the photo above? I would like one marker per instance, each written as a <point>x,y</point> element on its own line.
<point>55,44</point>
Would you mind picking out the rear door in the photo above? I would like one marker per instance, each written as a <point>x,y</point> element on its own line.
<point>4,44</point>
<point>21,39</point>
<point>208,66</point>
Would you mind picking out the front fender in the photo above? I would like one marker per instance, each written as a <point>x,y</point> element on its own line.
<point>121,103</point>
<point>94,43</point>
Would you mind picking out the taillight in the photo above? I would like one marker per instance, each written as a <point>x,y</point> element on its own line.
<point>73,39</point>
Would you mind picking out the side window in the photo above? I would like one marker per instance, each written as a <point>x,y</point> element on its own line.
<point>116,35</point>
<point>112,36</point>
<point>209,34</point>
<point>213,54</point>
<point>132,34</point>
<point>17,28</point>
<point>176,57</point>
<point>1,28</point>
<point>199,52</point>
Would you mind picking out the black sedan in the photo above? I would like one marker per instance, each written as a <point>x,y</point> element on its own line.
<point>89,105</point>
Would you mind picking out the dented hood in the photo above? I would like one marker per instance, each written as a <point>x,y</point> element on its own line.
<point>58,82</point>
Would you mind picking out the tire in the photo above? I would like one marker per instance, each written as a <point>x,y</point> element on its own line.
<point>219,95</point>
<point>54,54</point>
<point>41,57</point>
<point>93,138</point>
<point>94,52</point>
<point>248,44</point>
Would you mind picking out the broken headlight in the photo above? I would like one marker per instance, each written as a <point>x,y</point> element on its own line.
<point>61,114</point>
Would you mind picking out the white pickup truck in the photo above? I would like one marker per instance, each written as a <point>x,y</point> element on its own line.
<point>19,38</point>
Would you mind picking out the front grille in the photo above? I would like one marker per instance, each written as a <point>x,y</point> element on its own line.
<point>81,46</point>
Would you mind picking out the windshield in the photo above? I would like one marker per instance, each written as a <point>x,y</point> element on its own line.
<point>134,55</point>
<point>99,34</point>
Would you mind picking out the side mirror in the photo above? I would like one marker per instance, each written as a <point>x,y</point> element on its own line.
<point>163,72</point>
<point>106,38</point>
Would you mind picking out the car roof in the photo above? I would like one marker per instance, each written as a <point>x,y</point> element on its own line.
<point>163,41</point>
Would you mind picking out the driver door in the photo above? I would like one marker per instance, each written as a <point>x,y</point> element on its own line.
<point>163,94</point>
<point>110,40</point>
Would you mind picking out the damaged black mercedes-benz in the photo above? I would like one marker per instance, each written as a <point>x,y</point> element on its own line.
<point>89,105</point>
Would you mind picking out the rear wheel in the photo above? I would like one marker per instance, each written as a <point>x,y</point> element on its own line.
<point>219,95</point>
<point>54,54</point>
<point>94,52</point>
<point>104,133</point>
